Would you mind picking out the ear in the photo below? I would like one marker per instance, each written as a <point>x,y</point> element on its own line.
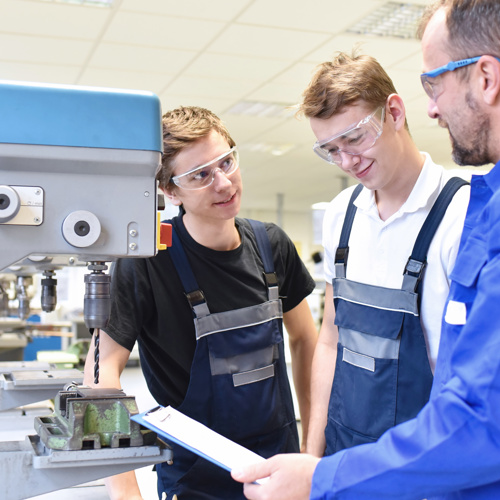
<point>171,194</point>
<point>488,68</point>
<point>395,110</point>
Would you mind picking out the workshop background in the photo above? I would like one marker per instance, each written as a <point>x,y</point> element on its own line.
<point>248,61</point>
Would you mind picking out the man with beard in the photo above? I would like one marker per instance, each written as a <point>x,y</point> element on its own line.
<point>451,450</point>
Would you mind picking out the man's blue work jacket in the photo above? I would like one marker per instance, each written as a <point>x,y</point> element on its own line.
<point>451,450</point>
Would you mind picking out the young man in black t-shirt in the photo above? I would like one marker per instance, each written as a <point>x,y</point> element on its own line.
<point>232,376</point>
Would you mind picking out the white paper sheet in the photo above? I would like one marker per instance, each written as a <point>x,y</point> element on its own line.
<point>198,438</point>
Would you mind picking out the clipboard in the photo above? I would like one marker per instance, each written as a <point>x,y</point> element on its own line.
<point>173,425</point>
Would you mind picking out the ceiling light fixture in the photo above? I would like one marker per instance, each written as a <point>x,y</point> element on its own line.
<point>274,149</point>
<point>392,19</point>
<point>262,109</point>
<point>321,205</point>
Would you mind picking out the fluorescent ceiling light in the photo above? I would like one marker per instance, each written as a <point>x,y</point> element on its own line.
<point>394,19</point>
<point>322,205</point>
<point>262,109</point>
<point>274,149</point>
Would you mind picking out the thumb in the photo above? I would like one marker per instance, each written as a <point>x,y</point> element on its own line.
<point>252,473</point>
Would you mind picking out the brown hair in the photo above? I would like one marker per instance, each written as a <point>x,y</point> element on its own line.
<point>344,81</point>
<point>473,27</point>
<point>182,127</point>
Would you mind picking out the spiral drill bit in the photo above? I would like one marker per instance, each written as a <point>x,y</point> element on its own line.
<point>96,353</point>
<point>96,306</point>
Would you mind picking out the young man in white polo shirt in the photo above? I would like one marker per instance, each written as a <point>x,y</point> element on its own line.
<point>378,344</point>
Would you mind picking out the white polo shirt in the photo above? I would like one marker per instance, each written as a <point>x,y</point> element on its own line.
<point>379,250</point>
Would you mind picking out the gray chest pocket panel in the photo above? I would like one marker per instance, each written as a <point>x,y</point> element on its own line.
<point>243,343</point>
<point>373,310</point>
<point>246,368</point>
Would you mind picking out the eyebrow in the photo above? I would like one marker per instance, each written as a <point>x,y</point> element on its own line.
<point>347,129</point>
<point>203,164</point>
<point>217,158</point>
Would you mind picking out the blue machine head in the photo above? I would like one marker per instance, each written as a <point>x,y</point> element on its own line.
<point>77,176</point>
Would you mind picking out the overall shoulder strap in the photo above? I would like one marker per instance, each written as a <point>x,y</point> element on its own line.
<point>416,263</point>
<point>266,254</point>
<point>192,291</point>
<point>343,249</point>
<point>263,244</point>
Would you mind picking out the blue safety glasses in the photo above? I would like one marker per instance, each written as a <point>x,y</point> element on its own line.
<point>430,85</point>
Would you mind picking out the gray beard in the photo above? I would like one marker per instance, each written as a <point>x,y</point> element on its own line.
<point>478,136</point>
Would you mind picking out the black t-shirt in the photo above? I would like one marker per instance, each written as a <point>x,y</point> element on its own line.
<point>149,305</point>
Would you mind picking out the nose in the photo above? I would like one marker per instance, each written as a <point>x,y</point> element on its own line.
<point>348,161</point>
<point>432,109</point>
<point>221,180</point>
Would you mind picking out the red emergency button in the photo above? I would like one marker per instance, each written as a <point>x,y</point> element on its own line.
<point>166,234</point>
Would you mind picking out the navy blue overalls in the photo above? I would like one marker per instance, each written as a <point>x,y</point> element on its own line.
<point>382,373</point>
<point>238,383</point>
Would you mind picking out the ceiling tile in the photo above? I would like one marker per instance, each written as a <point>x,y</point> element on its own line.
<point>299,74</point>
<point>232,66</point>
<point>387,50</point>
<point>135,58</point>
<point>246,128</point>
<point>293,81</point>
<point>34,49</point>
<point>266,42</point>
<point>138,80</point>
<point>407,83</point>
<point>52,19</point>
<point>161,31</point>
<point>313,15</point>
<point>171,101</point>
<point>210,87</point>
<point>46,73</point>
<point>293,130</point>
<point>412,62</point>
<point>219,10</point>
<point>277,92</point>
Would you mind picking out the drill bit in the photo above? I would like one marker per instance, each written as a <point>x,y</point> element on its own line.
<point>96,353</point>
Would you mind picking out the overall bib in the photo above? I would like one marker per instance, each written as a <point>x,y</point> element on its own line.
<point>382,372</point>
<point>238,383</point>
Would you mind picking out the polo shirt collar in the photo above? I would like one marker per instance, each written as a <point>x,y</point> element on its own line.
<point>492,178</point>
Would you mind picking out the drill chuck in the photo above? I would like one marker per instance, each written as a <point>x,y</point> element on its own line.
<point>49,294</point>
<point>97,300</point>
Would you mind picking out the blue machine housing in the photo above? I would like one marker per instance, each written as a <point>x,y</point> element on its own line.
<point>77,116</point>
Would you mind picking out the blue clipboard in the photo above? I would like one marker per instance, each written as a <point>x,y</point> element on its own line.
<point>180,429</point>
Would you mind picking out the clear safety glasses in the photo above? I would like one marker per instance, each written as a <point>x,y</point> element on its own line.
<point>428,79</point>
<point>201,177</point>
<point>354,140</point>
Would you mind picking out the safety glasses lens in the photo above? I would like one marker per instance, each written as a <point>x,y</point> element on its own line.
<point>203,176</point>
<point>353,141</point>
